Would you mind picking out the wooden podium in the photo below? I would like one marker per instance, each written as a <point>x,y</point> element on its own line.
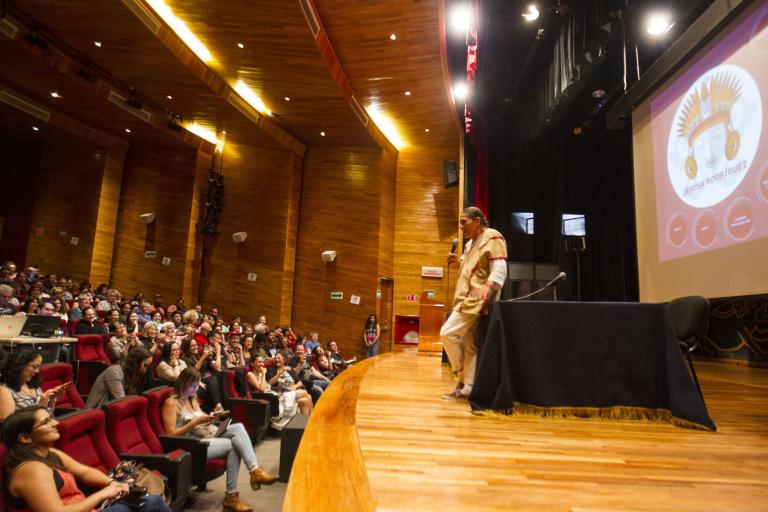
<point>431,319</point>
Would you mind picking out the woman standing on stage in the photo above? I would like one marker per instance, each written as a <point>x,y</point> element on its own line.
<point>371,336</point>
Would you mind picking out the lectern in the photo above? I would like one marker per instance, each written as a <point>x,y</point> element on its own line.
<point>431,318</point>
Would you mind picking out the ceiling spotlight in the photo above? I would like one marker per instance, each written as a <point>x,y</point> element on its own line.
<point>240,45</point>
<point>35,38</point>
<point>532,13</point>
<point>169,96</point>
<point>127,130</point>
<point>287,98</point>
<point>407,93</point>
<point>87,74</point>
<point>322,134</point>
<point>56,95</point>
<point>461,18</point>
<point>97,44</point>
<point>459,91</point>
<point>658,24</point>
<point>35,129</point>
<point>133,101</point>
<point>426,130</point>
<point>393,36</point>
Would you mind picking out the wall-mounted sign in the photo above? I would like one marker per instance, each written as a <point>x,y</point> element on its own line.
<point>412,297</point>
<point>431,271</point>
<point>74,240</point>
<point>355,299</point>
<point>378,294</point>
<point>337,295</point>
<point>150,254</point>
<point>166,261</point>
<point>430,294</point>
<point>252,276</point>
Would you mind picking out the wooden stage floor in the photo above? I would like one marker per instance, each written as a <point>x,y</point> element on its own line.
<point>382,439</point>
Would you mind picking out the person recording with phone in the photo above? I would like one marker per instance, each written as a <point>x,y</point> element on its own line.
<point>20,380</point>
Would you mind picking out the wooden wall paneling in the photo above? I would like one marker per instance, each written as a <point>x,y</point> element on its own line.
<point>387,187</point>
<point>291,238</point>
<point>157,179</point>
<point>425,225</point>
<point>66,206</point>
<point>256,199</point>
<point>106,220</point>
<point>340,211</point>
<point>195,239</point>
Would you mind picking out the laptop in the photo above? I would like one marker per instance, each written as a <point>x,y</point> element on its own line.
<point>11,325</point>
<point>40,326</point>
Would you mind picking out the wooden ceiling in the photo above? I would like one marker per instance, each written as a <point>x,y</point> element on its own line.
<point>279,59</point>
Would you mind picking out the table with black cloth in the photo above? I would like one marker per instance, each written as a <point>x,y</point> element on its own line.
<point>588,357</point>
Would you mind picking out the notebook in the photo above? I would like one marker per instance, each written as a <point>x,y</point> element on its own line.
<point>11,325</point>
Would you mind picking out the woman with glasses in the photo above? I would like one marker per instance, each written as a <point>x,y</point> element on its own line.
<point>42,478</point>
<point>21,384</point>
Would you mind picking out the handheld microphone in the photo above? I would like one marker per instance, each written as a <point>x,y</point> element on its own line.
<point>454,245</point>
<point>559,277</point>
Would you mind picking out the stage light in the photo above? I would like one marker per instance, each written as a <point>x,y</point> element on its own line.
<point>532,13</point>
<point>35,38</point>
<point>658,24</point>
<point>461,19</point>
<point>181,30</point>
<point>97,44</point>
<point>87,74</point>
<point>248,95</point>
<point>175,122</point>
<point>459,91</point>
<point>133,101</point>
<point>56,95</point>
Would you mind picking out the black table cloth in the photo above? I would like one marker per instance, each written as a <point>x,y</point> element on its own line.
<point>586,359</point>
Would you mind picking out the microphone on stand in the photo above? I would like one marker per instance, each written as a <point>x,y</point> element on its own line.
<point>559,277</point>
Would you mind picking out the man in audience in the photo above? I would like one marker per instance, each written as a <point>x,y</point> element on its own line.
<point>158,305</point>
<point>109,302</point>
<point>9,305</point>
<point>88,324</point>
<point>45,308</point>
<point>312,343</point>
<point>180,306</point>
<point>314,381</point>
<point>6,277</point>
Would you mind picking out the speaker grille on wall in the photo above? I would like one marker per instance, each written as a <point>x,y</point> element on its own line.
<point>309,14</point>
<point>450,173</point>
<point>11,99</point>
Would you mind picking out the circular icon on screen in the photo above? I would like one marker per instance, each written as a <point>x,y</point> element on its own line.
<point>705,228</point>
<point>758,40</point>
<point>739,219</point>
<point>762,183</point>
<point>714,136</point>
<point>677,230</point>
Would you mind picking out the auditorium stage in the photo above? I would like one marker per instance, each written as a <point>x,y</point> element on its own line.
<point>382,439</point>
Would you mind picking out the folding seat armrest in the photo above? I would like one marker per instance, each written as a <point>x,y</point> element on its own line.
<point>61,411</point>
<point>274,400</point>
<point>254,414</point>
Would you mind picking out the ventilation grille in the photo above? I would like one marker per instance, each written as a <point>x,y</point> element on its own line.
<point>25,106</point>
<point>143,114</point>
<point>358,110</point>
<point>244,108</point>
<point>309,14</point>
<point>146,16</point>
<point>8,28</point>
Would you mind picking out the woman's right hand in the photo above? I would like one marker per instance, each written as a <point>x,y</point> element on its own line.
<point>114,489</point>
<point>205,418</point>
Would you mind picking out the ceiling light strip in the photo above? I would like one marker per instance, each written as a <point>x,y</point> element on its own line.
<point>358,110</point>
<point>181,30</point>
<point>144,14</point>
<point>25,106</point>
<point>244,108</point>
<point>143,114</point>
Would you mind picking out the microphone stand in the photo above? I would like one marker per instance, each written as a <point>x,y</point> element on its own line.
<point>546,286</point>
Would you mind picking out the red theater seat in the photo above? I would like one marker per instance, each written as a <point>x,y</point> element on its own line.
<point>55,374</point>
<point>203,470</point>
<point>91,360</point>
<point>253,413</point>
<point>131,436</point>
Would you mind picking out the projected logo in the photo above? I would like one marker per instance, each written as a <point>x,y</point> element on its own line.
<point>715,136</point>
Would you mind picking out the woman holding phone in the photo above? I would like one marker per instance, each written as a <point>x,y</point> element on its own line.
<point>21,384</point>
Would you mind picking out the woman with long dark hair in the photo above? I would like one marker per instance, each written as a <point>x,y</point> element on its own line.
<point>121,379</point>
<point>42,478</point>
<point>371,336</point>
<point>171,365</point>
<point>21,384</point>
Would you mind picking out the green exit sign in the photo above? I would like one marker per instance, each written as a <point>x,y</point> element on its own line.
<point>337,295</point>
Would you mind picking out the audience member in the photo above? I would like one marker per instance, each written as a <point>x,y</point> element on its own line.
<point>171,365</point>
<point>284,384</point>
<point>89,324</point>
<point>9,305</point>
<point>20,380</point>
<point>120,379</point>
<point>121,343</point>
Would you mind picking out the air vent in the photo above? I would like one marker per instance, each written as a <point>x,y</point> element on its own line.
<point>361,115</point>
<point>7,28</point>
<point>245,109</point>
<point>146,15</point>
<point>143,114</point>
<point>25,106</point>
<point>309,14</point>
